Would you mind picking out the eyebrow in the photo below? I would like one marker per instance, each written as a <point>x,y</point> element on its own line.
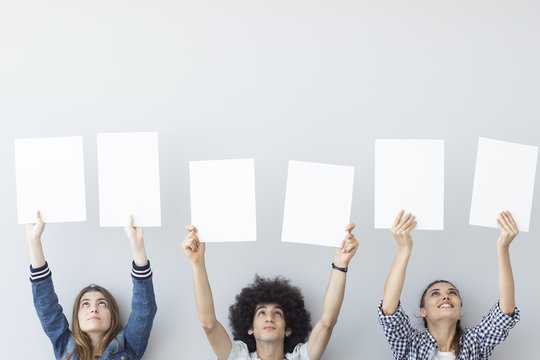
<point>96,299</point>
<point>440,290</point>
<point>265,306</point>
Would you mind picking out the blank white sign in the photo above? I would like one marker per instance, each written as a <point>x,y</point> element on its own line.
<point>50,178</point>
<point>409,175</point>
<point>223,199</point>
<point>503,180</point>
<point>128,174</point>
<point>317,203</point>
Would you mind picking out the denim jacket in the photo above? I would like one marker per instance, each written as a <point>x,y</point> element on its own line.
<point>132,340</point>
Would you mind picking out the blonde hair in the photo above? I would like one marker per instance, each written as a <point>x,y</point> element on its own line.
<point>83,347</point>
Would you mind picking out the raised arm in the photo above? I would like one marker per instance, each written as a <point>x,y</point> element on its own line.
<point>319,337</point>
<point>509,231</point>
<point>48,309</point>
<point>33,236</point>
<point>214,330</point>
<point>401,229</point>
<point>136,240</point>
<point>143,302</point>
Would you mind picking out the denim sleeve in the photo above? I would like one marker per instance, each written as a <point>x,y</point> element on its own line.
<point>50,312</point>
<point>398,331</point>
<point>143,311</point>
<point>493,329</point>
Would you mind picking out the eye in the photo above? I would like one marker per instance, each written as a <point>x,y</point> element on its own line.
<point>261,312</point>
<point>85,304</point>
<point>434,293</point>
<point>102,304</point>
<point>277,313</point>
<point>453,292</point>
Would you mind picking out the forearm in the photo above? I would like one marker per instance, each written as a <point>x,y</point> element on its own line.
<point>203,296</point>
<point>506,281</point>
<point>37,258</point>
<point>333,298</point>
<point>395,281</point>
<point>139,253</point>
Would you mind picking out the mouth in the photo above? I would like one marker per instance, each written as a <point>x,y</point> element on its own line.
<point>94,318</point>
<point>269,328</point>
<point>446,305</point>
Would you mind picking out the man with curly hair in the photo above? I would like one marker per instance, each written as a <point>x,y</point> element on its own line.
<point>269,319</point>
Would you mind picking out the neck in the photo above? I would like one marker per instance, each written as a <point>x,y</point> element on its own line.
<point>270,351</point>
<point>443,333</point>
<point>95,339</point>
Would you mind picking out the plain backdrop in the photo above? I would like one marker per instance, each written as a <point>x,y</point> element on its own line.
<point>275,81</point>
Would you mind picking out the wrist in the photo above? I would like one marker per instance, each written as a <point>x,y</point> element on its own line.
<point>340,262</point>
<point>343,269</point>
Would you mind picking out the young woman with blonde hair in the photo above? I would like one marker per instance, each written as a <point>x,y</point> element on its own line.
<point>97,330</point>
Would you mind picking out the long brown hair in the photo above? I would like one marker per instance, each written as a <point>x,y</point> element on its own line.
<point>83,347</point>
<point>456,346</point>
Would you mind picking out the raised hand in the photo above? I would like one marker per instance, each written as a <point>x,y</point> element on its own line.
<point>33,235</point>
<point>401,229</point>
<point>349,245</point>
<point>134,234</point>
<point>193,248</point>
<point>508,227</point>
<point>34,230</point>
<point>136,240</point>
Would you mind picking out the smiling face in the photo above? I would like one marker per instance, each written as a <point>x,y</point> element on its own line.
<point>269,323</point>
<point>94,313</point>
<point>441,302</point>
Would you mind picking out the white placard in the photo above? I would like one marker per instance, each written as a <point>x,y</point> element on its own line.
<point>317,203</point>
<point>409,175</point>
<point>128,173</point>
<point>223,199</point>
<point>503,180</point>
<point>50,178</point>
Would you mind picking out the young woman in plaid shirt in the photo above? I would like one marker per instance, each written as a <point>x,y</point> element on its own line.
<point>440,306</point>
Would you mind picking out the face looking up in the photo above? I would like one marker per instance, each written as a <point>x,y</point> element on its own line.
<point>94,313</point>
<point>269,323</point>
<point>441,302</point>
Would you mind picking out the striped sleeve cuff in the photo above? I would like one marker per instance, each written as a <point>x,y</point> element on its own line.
<point>141,272</point>
<point>40,273</point>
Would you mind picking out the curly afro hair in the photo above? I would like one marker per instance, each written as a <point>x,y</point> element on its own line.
<point>279,291</point>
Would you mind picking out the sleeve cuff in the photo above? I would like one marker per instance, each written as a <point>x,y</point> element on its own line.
<point>141,272</point>
<point>40,273</point>
<point>390,320</point>
<point>505,321</point>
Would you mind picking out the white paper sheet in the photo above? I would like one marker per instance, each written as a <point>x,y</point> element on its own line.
<point>223,199</point>
<point>503,180</point>
<point>128,173</point>
<point>50,178</point>
<point>317,203</point>
<point>409,175</point>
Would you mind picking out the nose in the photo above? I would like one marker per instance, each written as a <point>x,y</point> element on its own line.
<point>269,318</point>
<point>94,308</point>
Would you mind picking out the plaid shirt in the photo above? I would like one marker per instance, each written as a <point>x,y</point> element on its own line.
<point>477,343</point>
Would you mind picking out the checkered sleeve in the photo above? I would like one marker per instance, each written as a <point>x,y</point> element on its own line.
<point>398,331</point>
<point>493,329</point>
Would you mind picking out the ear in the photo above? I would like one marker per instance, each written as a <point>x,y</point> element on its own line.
<point>423,312</point>
<point>250,331</point>
<point>288,332</point>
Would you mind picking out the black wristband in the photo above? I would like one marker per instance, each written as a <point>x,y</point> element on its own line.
<point>339,268</point>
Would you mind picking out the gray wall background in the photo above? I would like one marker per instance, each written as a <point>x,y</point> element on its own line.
<point>273,80</point>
